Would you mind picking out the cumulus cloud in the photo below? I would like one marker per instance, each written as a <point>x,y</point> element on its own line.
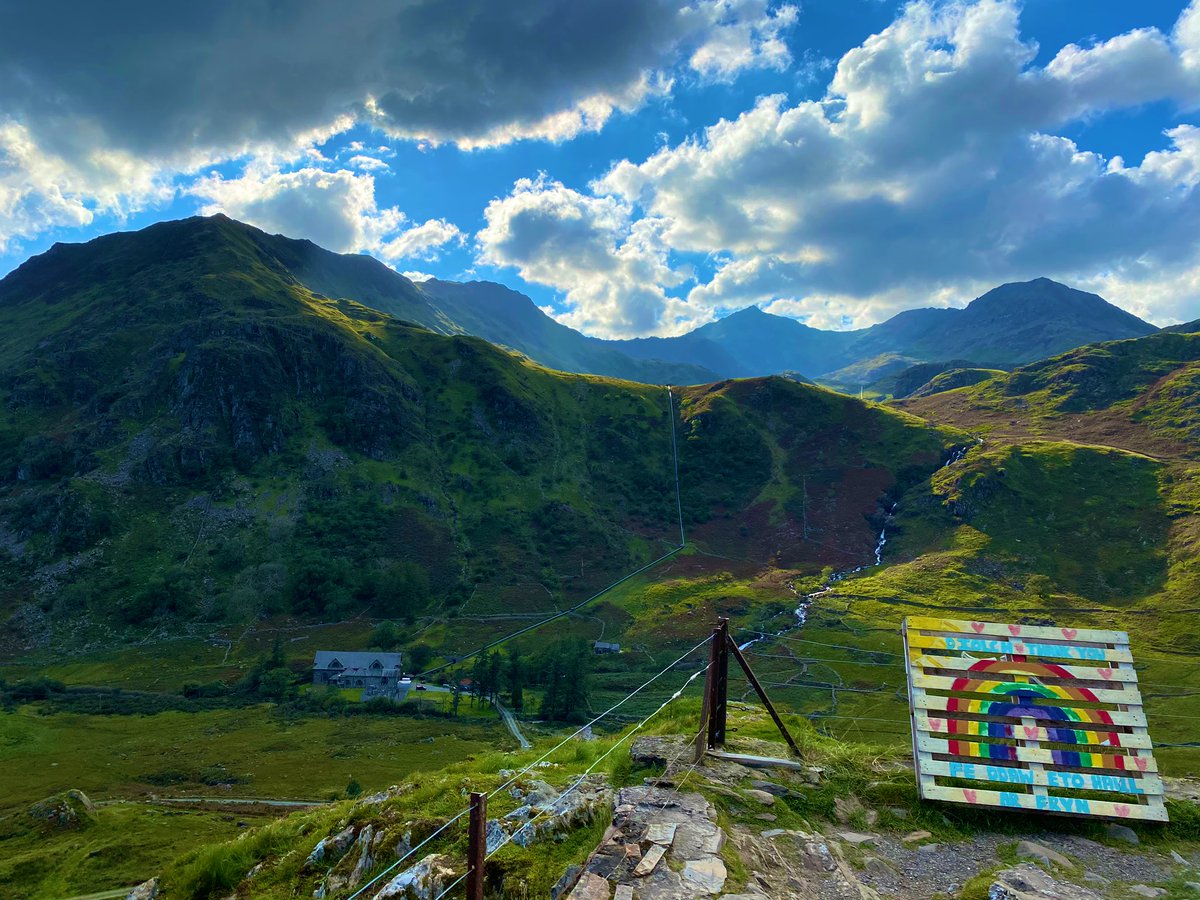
<point>421,241</point>
<point>367,163</point>
<point>929,169</point>
<point>178,87</point>
<point>612,269</point>
<point>336,210</point>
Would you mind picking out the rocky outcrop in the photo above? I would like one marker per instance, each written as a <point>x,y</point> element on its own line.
<point>63,812</point>
<point>1028,882</point>
<point>425,880</point>
<point>147,890</point>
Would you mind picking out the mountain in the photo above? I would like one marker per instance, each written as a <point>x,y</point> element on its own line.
<point>747,343</point>
<point>1009,325</point>
<point>193,431</point>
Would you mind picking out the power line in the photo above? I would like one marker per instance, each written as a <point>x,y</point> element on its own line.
<point>579,780</point>
<point>549,619</point>
<point>393,866</point>
<point>675,456</point>
<point>787,639</point>
<point>578,606</point>
<point>533,764</point>
<point>455,883</point>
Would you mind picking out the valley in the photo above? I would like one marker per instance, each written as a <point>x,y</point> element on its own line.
<point>214,469</point>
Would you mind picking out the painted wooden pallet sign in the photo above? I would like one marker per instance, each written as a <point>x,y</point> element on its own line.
<point>1029,717</point>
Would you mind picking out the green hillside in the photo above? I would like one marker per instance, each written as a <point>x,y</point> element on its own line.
<point>193,434</point>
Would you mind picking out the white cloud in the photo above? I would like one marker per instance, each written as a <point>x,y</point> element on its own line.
<point>928,172</point>
<point>742,34</point>
<point>612,269</point>
<point>336,210</point>
<point>40,190</point>
<point>421,241</point>
<point>367,163</point>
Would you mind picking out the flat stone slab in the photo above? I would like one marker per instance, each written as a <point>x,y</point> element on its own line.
<point>591,887</point>
<point>759,762</point>
<point>705,874</point>
<point>661,833</point>
<point>857,837</point>
<point>650,860</point>
<point>624,892</point>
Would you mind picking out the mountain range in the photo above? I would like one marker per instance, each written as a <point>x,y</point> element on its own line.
<point>1008,326</point>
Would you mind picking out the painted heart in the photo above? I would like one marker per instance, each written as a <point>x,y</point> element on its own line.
<point>935,724</point>
<point>1031,732</point>
<point>1106,674</point>
<point>977,626</point>
<point>1019,649</point>
<point>1014,630</point>
<point>1141,763</point>
<point>1069,633</point>
<point>1122,810</point>
<point>971,795</point>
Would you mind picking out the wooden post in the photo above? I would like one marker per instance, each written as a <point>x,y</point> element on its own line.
<point>720,686</point>
<point>476,846</point>
<point>762,695</point>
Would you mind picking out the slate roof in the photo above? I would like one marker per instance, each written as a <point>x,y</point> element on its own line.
<point>356,659</point>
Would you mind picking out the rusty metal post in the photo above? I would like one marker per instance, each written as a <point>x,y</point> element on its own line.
<point>476,846</point>
<point>762,694</point>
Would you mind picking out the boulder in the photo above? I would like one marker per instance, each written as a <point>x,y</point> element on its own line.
<point>761,796</point>
<point>856,838</point>
<point>771,788</point>
<point>331,848</point>
<point>591,887</point>
<point>1122,833</point>
<point>1031,850</point>
<point>844,808</point>
<point>1028,882</point>
<point>366,859</point>
<point>64,812</point>
<point>1144,890</point>
<point>914,837</point>
<point>707,875</point>
<point>425,880</point>
<point>147,890</point>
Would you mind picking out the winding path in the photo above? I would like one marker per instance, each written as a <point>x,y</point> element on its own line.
<point>511,721</point>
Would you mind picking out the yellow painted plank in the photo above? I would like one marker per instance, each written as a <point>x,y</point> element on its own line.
<point>1009,630</point>
<point>995,689</point>
<point>940,726</point>
<point>1082,673</point>
<point>1128,718</point>
<point>997,646</point>
<point>1053,803</point>
<point>1092,781</point>
<point>980,750</point>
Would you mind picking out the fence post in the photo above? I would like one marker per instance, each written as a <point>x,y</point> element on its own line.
<point>720,686</point>
<point>476,846</point>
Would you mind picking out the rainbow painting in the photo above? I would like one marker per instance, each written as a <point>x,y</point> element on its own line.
<point>1052,713</point>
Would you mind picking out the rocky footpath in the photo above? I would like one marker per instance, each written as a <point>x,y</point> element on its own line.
<point>668,842</point>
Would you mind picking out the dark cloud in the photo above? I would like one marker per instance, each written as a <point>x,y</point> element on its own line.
<point>163,79</point>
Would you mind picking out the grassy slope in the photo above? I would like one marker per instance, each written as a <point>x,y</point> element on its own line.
<point>1088,477</point>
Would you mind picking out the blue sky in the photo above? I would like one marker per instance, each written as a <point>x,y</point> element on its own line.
<point>636,167</point>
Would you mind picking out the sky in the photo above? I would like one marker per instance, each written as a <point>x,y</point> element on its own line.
<point>637,167</point>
